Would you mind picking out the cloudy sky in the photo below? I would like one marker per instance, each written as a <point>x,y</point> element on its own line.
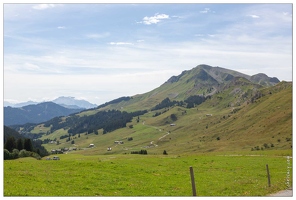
<point>99,52</point>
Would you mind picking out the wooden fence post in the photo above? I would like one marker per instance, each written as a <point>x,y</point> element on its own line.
<point>192,181</point>
<point>268,175</point>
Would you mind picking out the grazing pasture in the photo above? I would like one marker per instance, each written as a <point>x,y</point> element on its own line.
<point>148,175</point>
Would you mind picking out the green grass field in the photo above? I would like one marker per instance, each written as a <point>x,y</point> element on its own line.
<point>226,174</point>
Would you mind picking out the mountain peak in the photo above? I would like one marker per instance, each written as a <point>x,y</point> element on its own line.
<point>264,80</point>
<point>72,101</point>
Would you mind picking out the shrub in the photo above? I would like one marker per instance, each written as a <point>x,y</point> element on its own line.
<point>35,155</point>
<point>164,152</point>
<point>23,153</point>
<point>15,153</point>
<point>272,145</point>
<point>7,155</point>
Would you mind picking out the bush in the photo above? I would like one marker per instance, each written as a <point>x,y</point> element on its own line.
<point>35,155</point>
<point>164,152</point>
<point>7,155</point>
<point>15,153</point>
<point>23,153</point>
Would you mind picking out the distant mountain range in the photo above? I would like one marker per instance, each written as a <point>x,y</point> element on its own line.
<point>67,102</point>
<point>35,113</point>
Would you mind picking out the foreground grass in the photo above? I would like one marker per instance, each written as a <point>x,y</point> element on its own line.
<point>146,175</point>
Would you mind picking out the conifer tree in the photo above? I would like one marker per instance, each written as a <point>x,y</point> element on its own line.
<point>19,144</point>
<point>10,144</point>
<point>28,144</point>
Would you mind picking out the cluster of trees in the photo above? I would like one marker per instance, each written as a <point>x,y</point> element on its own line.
<point>190,102</point>
<point>194,100</point>
<point>106,120</point>
<point>167,103</point>
<point>17,146</point>
<point>140,152</point>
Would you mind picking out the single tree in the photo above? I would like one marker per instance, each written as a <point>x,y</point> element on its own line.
<point>28,144</point>
<point>10,144</point>
<point>19,144</point>
<point>165,153</point>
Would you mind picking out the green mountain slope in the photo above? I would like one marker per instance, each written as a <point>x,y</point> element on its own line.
<point>201,80</point>
<point>264,124</point>
<point>240,112</point>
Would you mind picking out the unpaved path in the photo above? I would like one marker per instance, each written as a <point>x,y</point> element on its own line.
<point>167,133</point>
<point>283,193</point>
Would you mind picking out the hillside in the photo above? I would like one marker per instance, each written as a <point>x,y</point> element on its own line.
<point>35,113</point>
<point>201,110</point>
<point>201,80</point>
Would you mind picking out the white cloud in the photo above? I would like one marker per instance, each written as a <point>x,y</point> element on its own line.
<point>43,6</point>
<point>254,16</point>
<point>154,19</point>
<point>61,27</point>
<point>206,10</point>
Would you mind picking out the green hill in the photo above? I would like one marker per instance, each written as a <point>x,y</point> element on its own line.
<point>201,110</point>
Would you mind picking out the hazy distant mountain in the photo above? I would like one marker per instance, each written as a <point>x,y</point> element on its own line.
<point>18,105</point>
<point>35,113</point>
<point>71,102</point>
<point>67,102</point>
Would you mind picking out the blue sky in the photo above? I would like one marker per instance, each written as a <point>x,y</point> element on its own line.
<point>100,52</point>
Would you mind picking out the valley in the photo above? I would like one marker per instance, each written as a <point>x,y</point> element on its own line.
<point>205,115</point>
<point>232,114</point>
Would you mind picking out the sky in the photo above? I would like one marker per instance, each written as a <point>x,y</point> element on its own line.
<point>100,52</point>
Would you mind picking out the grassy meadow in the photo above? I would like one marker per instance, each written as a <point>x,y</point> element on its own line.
<point>224,174</point>
<point>227,146</point>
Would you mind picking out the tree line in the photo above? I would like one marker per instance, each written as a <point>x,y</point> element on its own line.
<point>106,120</point>
<point>190,102</point>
